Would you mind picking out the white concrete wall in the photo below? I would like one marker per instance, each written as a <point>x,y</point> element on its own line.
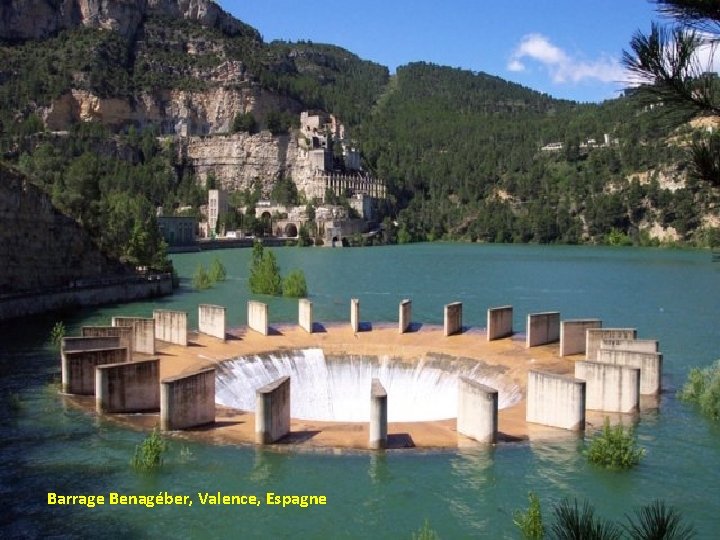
<point>78,368</point>
<point>171,326</point>
<point>477,415</point>
<point>272,411</point>
<point>378,416</point>
<point>649,363</point>
<point>305,315</point>
<point>542,328</point>
<point>125,335</point>
<point>595,336</point>
<point>639,345</point>
<point>572,335</point>
<point>610,388</point>
<point>76,343</point>
<point>404,316</point>
<point>452,323</point>
<point>257,317</point>
<point>556,401</point>
<point>187,400</point>
<point>143,332</point>
<point>499,322</point>
<point>212,320</point>
<point>129,387</point>
<point>355,315</point>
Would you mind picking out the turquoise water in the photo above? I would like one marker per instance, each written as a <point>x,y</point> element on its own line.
<point>670,295</point>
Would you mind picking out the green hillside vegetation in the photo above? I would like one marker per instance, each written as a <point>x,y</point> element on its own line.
<point>460,151</point>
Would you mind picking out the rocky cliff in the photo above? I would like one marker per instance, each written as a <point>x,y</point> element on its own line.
<point>41,248</point>
<point>37,19</point>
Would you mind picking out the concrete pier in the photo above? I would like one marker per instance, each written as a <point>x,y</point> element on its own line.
<point>572,335</point>
<point>542,328</point>
<point>638,345</point>
<point>477,415</point>
<point>610,388</point>
<point>355,315</point>
<point>124,333</point>
<point>452,320</point>
<point>76,343</point>
<point>499,322</point>
<point>595,336</point>
<point>556,401</point>
<point>78,368</point>
<point>272,411</point>
<point>649,363</point>
<point>143,332</point>
<point>305,315</point>
<point>212,320</point>
<point>187,400</point>
<point>171,326</point>
<point>378,416</point>
<point>128,387</point>
<point>404,316</point>
<point>257,317</point>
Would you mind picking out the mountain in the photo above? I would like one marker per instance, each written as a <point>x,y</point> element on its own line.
<point>122,104</point>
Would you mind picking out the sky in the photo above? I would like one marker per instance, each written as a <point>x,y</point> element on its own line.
<point>568,49</point>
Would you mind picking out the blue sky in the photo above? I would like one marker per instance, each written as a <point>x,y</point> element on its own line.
<point>568,49</point>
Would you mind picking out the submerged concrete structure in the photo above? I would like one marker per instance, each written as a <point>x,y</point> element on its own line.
<point>378,416</point>
<point>272,411</point>
<point>556,401</point>
<point>404,316</point>
<point>305,315</point>
<point>78,367</point>
<point>595,336</point>
<point>477,415</point>
<point>171,326</point>
<point>187,400</point>
<point>610,388</point>
<point>355,315</point>
<point>212,320</point>
<point>499,322</point>
<point>572,335</point>
<point>649,363</point>
<point>129,387</point>
<point>542,328</point>
<point>123,333</point>
<point>143,332</point>
<point>257,317</point>
<point>452,320</point>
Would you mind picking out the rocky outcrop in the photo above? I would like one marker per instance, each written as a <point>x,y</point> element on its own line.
<point>40,247</point>
<point>38,19</point>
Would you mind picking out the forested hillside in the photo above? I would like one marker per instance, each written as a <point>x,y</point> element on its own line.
<point>93,116</point>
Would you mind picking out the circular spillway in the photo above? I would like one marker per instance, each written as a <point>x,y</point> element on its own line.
<point>337,388</point>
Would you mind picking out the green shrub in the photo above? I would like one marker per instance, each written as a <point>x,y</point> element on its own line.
<point>425,533</point>
<point>294,285</point>
<point>657,520</point>
<point>703,389</point>
<point>217,271</point>
<point>57,334</point>
<point>530,521</point>
<point>148,454</point>
<point>264,272</point>
<point>573,523</point>
<point>201,278</point>
<point>614,448</point>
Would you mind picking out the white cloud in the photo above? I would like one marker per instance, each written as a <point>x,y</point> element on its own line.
<point>561,66</point>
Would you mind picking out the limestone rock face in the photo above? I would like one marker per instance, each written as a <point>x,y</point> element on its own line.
<point>37,19</point>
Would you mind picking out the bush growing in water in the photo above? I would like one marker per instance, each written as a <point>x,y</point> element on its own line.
<point>614,448</point>
<point>217,271</point>
<point>57,333</point>
<point>201,278</point>
<point>426,533</point>
<point>703,389</point>
<point>294,285</point>
<point>148,454</point>
<point>530,521</point>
